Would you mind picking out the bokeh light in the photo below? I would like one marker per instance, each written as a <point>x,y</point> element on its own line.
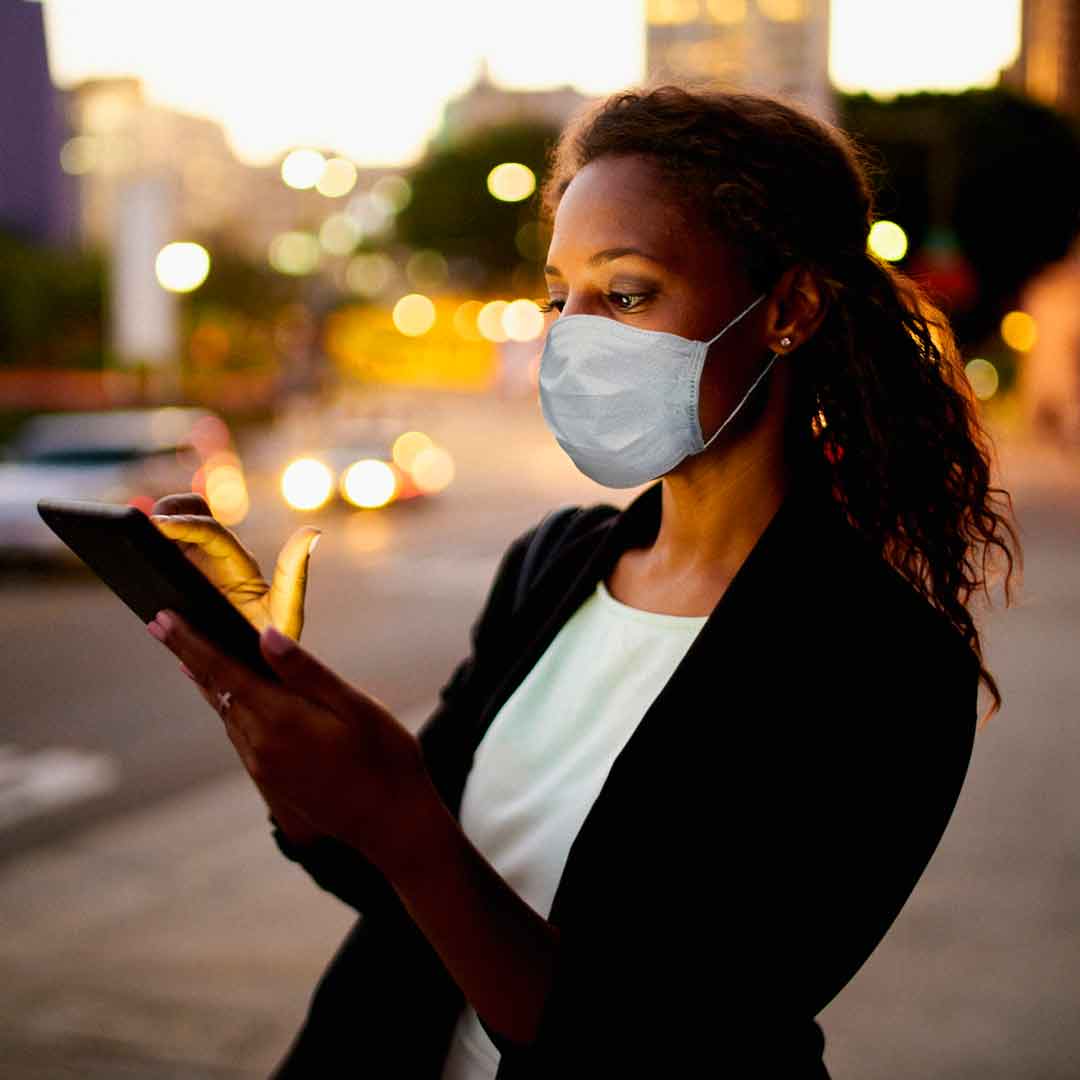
<point>372,216</point>
<point>225,488</point>
<point>339,234</point>
<point>983,377</point>
<point>426,270</point>
<point>511,181</point>
<point>783,10</point>
<point>1019,332</point>
<point>407,446</point>
<point>370,273</point>
<point>887,241</point>
<point>726,12</point>
<point>489,320</point>
<point>295,253</point>
<point>464,320</point>
<point>79,155</point>
<point>182,266</point>
<point>306,484</point>
<point>672,12</point>
<point>337,178</point>
<point>532,241</point>
<point>414,314</point>
<point>369,483</point>
<point>522,320</point>
<point>394,193</point>
<point>302,169</point>
<point>433,470</point>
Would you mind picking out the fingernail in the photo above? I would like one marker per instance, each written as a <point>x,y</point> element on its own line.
<point>314,542</point>
<point>277,643</point>
<point>155,631</point>
<point>187,671</point>
<point>165,620</point>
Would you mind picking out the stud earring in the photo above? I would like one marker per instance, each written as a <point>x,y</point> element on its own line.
<point>785,341</point>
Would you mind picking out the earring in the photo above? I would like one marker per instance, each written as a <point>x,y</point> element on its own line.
<point>785,341</point>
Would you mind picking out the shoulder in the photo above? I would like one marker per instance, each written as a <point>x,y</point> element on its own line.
<point>897,675</point>
<point>566,534</point>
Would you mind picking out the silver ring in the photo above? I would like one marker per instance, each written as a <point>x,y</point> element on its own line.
<point>224,700</point>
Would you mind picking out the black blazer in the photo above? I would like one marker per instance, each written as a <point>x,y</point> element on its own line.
<point>753,842</point>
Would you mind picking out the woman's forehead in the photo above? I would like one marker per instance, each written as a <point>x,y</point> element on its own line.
<point>624,201</point>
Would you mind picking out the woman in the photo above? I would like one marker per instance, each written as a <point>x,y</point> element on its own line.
<point>704,746</point>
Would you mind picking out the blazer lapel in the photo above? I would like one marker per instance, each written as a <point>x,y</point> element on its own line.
<point>730,662</point>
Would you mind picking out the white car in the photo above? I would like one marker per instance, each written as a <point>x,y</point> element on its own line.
<point>124,456</point>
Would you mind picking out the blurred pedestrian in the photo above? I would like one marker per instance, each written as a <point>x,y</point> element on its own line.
<point>704,746</point>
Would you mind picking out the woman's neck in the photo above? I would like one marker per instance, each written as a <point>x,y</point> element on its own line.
<point>713,511</point>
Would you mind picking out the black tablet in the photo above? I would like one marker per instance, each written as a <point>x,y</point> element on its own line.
<point>149,572</point>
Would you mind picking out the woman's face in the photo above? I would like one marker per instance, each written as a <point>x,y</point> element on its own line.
<point>623,248</point>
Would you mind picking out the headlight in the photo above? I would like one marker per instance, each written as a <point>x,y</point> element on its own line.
<point>306,484</point>
<point>369,483</point>
<point>226,490</point>
<point>408,446</point>
<point>432,470</point>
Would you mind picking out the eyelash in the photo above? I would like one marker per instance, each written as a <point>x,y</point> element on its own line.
<point>555,305</point>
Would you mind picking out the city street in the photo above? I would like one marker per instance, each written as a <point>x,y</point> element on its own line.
<point>153,930</point>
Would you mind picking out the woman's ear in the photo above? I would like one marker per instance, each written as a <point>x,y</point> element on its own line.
<point>796,307</point>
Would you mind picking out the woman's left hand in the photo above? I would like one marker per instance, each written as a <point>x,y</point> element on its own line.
<point>314,741</point>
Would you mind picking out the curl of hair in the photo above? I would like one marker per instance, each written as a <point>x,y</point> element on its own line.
<point>881,409</point>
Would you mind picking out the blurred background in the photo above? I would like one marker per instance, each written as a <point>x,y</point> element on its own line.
<point>289,256</point>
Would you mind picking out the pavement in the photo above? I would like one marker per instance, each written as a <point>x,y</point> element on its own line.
<point>178,943</point>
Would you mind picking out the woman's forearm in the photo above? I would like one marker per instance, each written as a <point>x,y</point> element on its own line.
<point>499,951</point>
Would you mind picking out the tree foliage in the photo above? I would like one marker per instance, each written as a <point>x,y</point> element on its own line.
<point>453,212</point>
<point>1000,172</point>
<point>51,306</point>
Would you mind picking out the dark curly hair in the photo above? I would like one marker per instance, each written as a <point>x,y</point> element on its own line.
<point>881,409</point>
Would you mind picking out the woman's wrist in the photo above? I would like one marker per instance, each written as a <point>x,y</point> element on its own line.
<point>497,948</point>
<point>296,828</point>
<point>420,831</point>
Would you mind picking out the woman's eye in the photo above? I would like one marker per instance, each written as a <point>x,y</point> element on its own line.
<point>626,301</point>
<point>550,305</point>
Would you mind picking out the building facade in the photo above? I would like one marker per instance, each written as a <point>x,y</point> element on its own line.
<point>486,104</point>
<point>775,46</point>
<point>1048,67</point>
<point>36,200</point>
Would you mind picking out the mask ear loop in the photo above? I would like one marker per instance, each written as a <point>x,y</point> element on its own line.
<point>734,412</point>
<point>745,311</point>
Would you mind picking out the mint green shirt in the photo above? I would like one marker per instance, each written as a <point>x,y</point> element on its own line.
<point>546,754</point>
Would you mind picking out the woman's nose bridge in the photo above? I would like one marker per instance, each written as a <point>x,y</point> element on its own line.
<point>577,304</point>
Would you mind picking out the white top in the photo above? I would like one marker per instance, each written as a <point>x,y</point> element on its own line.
<point>546,754</point>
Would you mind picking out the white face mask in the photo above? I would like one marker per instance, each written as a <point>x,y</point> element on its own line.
<point>622,401</point>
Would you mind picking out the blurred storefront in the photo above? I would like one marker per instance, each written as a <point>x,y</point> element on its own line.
<point>1049,373</point>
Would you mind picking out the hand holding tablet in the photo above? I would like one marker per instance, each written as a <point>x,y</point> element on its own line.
<point>206,576</point>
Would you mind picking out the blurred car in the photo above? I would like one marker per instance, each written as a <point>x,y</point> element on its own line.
<point>367,463</point>
<point>124,456</point>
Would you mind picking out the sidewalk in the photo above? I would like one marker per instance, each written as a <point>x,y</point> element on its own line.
<point>178,943</point>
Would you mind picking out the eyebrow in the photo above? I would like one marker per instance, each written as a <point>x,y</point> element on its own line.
<point>607,255</point>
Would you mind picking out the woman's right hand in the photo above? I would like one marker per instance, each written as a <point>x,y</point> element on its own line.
<point>218,553</point>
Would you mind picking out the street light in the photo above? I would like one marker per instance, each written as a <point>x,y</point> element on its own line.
<point>511,181</point>
<point>182,266</point>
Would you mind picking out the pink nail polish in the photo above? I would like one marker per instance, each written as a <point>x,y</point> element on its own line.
<point>155,631</point>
